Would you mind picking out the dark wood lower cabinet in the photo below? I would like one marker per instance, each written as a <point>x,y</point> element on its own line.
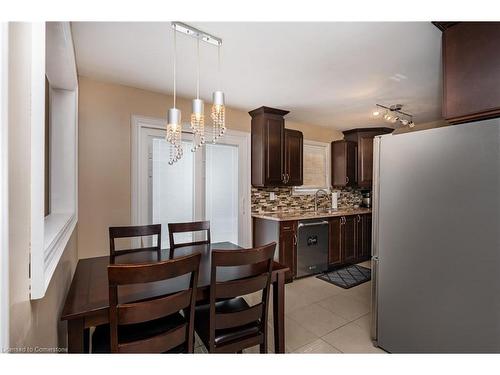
<point>284,233</point>
<point>335,243</point>
<point>350,239</point>
<point>288,245</point>
<point>366,237</point>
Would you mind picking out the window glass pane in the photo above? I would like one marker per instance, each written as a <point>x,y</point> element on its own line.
<point>221,195</point>
<point>172,189</point>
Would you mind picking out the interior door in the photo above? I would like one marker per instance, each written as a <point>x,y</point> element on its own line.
<point>172,188</point>
<point>211,184</point>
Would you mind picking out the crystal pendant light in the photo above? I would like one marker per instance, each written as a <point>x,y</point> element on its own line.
<point>218,108</point>
<point>174,124</point>
<point>198,116</point>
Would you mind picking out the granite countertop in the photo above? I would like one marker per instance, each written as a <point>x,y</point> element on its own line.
<point>304,215</point>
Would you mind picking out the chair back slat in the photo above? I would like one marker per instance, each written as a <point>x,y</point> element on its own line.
<point>160,343</point>
<point>239,318</point>
<point>240,287</point>
<point>153,308</point>
<point>125,274</point>
<point>225,258</point>
<point>195,226</point>
<point>143,311</point>
<point>134,231</point>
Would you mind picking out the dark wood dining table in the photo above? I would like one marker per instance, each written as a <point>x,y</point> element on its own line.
<point>87,302</point>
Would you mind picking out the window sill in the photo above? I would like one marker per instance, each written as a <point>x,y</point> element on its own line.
<point>308,190</point>
<point>57,232</point>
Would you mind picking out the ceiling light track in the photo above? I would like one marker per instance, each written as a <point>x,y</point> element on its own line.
<point>394,114</point>
<point>196,33</point>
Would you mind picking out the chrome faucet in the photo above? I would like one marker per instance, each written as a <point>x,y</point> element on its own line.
<point>316,198</point>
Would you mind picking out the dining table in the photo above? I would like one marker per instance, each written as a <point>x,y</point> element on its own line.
<point>87,301</point>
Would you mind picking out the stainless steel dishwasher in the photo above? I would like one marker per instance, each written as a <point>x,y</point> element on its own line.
<point>312,247</point>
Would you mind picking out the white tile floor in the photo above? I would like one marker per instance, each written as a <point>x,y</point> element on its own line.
<point>323,318</point>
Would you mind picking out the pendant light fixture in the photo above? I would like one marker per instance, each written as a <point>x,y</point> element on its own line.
<point>174,124</point>
<point>198,116</point>
<point>218,107</point>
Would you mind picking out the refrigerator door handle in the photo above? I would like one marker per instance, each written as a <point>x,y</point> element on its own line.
<point>374,325</point>
<point>375,226</point>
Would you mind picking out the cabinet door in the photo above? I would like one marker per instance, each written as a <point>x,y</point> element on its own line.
<point>358,237</point>
<point>288,244</point>
<point>366,236</point>
<point>365,160</point>
<point>273,151</point>
<point>343,163</point>
<point>471,79</point>
<point>294,150</point>
<point>349,239</point>
<point>335,243</point>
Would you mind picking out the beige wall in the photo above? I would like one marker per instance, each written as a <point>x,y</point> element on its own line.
<point>104,153</point>
<point>32,323</point>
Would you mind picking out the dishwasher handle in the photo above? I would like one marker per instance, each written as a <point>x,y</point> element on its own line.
<point>324,222</point>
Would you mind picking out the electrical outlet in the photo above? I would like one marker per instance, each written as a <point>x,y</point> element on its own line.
<point>272,196</point>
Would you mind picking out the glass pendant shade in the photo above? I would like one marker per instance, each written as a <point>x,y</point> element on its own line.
<point>218,115</point>
<point>198,123</point>
<point>174,131</point>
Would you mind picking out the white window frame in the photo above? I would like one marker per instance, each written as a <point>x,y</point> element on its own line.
<point>4,188</point>
<point>52,57</point>
<point>309,190</point>
<point>138,189</point>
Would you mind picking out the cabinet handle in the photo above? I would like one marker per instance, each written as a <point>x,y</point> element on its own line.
<point>287,178</point>
<point>342,222</point>
<point>287,228</point>
<point>347,180</point>
<point>295,240</point>
<point>359,218</point>
<point>283,178</point>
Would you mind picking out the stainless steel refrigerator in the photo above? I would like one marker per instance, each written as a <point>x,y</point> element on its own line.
<point>436,240</point>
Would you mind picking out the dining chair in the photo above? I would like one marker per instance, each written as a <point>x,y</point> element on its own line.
<point>152,325</point>
<point>228,324</point>
<point>134,231</point>
<point>195,226</point>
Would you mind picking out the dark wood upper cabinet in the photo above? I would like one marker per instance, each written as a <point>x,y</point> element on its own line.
<point>471,71</point>
<point>363,139</point>
<point>294,150</point>
<point>276,151</point>
<point>343,163</point>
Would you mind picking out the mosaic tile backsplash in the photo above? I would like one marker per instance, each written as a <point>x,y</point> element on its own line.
<point>286,201</point>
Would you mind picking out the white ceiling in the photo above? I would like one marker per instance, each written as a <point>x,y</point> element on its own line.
<point>329,74</point>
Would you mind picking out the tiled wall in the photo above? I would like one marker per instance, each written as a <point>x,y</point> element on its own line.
<point>285,201</point>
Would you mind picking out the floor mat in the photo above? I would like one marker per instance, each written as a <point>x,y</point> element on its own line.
<point>347,277</point>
